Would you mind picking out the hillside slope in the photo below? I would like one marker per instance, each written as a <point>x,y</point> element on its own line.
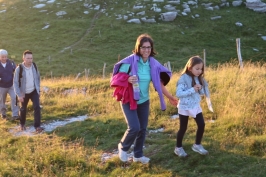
<point>89,33</point>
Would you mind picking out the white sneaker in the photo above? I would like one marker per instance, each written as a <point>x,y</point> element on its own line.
<point>143,159</point>
<point>199,148</point>
<point>122,154</point>
<point>180,152</point>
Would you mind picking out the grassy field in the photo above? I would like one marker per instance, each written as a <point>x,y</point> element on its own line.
<point>236,139</point>
<point>98,37</point>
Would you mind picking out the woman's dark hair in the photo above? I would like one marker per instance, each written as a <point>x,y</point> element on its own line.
<point>140,40</point>
<point>192,62</point>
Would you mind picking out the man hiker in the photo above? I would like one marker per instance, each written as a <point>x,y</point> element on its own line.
<point>7,68</point>
<point>27,87</point>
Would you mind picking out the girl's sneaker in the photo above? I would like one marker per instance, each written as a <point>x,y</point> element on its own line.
<point>143,159</point>
<point>180,152</point>
<point>199,148</point>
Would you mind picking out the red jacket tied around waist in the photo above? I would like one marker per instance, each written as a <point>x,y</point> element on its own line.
<point>123,90</point>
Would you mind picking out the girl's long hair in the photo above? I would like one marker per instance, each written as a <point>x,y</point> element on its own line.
<point>192,62</point>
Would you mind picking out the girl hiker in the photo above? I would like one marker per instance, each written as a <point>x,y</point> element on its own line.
<point>190,86</point>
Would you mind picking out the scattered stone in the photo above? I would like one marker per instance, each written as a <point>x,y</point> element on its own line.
<point>173,1</point>
<point>155,8</point>
<point>236,3</point>
<point>169,7</point>
<point>138,7</point>
<point>46,26</point>
<point>156,131</point>
<point>197,15</point>
<point>106,156</point>
<point>256,5</point>
<point>38,6</point>
<point>209,8</point>
<point>87,5</point>
<point>216,7</point>
<point>238,24</point>
<point>50,1</point>
<point>187,10</point>
<point>61,13</point>
<point>135,20</point>
<point>148,20</point>
<point>256,50</point>
<point>75,91</point>
<point>185,6</point>
<point>141,13</point>
<point>119,17</point>
<point>176,116</point>
<point>223,4</point>
<point>168,16</point>
<point>206,5</point>
<point>86,12</point>
<point>216,17</point>
<point>211,121</point>
<point>45,89</point>
<point>192,2</point>
<point>1,11</point>
<point>97,7</point>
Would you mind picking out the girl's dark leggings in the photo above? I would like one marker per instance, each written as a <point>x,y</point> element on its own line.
<point>183,127</point>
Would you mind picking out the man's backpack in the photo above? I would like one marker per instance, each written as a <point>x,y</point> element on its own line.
<point>21,70</point>
<point>13,65</point>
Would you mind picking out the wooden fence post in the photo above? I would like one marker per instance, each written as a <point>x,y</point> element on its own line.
<point>77,76</point>
<point>88,72</point>
<point>168,66</point>
<point>85,73</point>
<point>104,67</point>
<point>239,52</point>
<point>204,57</point>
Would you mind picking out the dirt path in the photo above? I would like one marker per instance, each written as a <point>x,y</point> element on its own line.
<point>86,33</point>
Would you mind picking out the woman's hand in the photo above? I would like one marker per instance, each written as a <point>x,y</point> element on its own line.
<point>173,101</point>
<point>132,79</point>
<point>21,99</point>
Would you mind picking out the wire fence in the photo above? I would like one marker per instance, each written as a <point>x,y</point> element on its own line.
<point>210,56</point>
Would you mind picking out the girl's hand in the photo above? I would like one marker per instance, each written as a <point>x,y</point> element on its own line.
<point>21,99</point>
<point>173,101</point>
<point>197,87</point>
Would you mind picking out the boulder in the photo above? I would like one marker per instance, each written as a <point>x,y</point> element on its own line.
<point>168,16</point>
